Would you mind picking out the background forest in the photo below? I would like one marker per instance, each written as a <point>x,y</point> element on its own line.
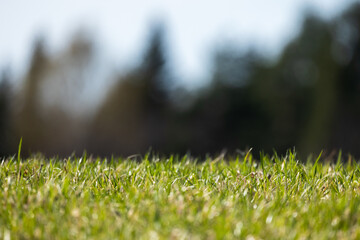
<point>308,97</point>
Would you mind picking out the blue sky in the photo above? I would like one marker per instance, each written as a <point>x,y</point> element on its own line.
<point>121,27</point>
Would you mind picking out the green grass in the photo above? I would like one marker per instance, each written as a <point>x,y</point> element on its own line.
<point>179,198</point>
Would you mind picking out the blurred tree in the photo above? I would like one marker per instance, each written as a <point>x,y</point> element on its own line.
<point>6,139</point>
<point>346,51</point>
<point>153,70</point>
<point>298,91</point>
<point>50,101</point>
<point>65,94</point>
<point>30,124</point>
<point>315,44</point>
<point>133,116</point>
<point>234,120</point>
<point>155,79</point>
<point>69,74</point>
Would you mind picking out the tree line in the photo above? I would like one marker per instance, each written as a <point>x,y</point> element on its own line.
<point>308,97</point>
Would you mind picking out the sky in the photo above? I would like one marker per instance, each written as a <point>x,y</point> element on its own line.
<point>121,27</point>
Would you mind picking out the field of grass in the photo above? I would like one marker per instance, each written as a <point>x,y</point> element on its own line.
<point>179,198</point>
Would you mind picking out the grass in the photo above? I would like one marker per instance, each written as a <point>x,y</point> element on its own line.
<point>179,198</point>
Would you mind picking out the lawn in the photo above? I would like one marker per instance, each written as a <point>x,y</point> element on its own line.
<point>150,197</point>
